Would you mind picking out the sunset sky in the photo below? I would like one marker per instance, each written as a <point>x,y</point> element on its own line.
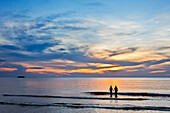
<point>85,38</point>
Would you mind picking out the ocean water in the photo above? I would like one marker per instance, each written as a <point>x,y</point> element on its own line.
<point>65,95</point>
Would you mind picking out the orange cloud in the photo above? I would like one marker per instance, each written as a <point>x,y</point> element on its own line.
<point>8,69</point>
<point>112,69</point>
<point>85,71</point>
<point>65,71</point>
<point>26,64</point>
<point>159,71</point>
<point>73,71</point>
<point>160,66</point>
<point>122,68</point>
<point>135,56</point>
<point>60,61</point>
<point>102,65</point>
<point>100,71</point>
<point>51,66</point>
<point>47,70</point>
<point>104,68</point>
<point>133,70</point>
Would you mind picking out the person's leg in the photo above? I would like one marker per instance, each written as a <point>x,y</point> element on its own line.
<point>115,94</point>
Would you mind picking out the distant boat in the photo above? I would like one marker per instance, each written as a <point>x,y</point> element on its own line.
<point>20,76</point>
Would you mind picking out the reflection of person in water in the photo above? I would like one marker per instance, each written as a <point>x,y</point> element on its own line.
<point>111,89</point>
<point>116,90</point>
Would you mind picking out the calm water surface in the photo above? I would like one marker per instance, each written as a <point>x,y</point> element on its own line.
<point>75,87</point>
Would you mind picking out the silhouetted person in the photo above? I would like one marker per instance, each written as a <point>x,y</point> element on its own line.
<point>111,89</point>
<point>116,90</point>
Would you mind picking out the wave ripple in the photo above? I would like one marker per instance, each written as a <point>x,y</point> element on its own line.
<point>79,105</point>
<point>75,97</point>
<point>131,94</point>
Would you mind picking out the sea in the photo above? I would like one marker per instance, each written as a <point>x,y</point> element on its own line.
<point>84,95</point>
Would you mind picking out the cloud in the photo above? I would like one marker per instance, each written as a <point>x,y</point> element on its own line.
<point>160,65</point>
<point>139,56</point>
<point>52,17</point>
<point>67,67</point>
<point>11,47</point>
<point>2,60</point>
<point>33,36</point>
<point>61,49</point>
<point>158,71</point>
<point>40,47</point>
<point>130,54</point>
<point>8,69</point>
<point>132,70</point>
<point>63,44</point>
<point>162,48</point>
<point>124,51</point>
<point>101,70</point>
<point>74,28</point>
<point>14,15</point>
<point>35,68</point>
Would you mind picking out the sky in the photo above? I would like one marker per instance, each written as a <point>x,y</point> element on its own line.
<point>85,38</point>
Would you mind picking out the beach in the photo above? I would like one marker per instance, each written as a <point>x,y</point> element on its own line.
<point>63,95</point>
